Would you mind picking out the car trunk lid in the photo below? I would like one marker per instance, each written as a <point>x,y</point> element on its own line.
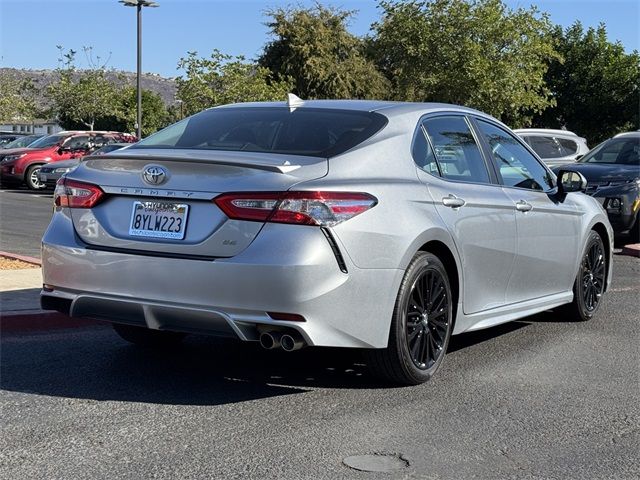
<point>127,218</point>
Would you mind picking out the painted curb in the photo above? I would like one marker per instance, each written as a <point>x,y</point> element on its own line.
<point>22,258</point>
<point>12,322</point>
<point>631,250</point>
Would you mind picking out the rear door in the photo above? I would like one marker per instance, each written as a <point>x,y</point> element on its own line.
<point>477,212</point>
<point>548,229</point>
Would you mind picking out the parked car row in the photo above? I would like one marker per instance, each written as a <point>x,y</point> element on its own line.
<point>50,174</point>
<point>20,166</point>
<point>612,170</point>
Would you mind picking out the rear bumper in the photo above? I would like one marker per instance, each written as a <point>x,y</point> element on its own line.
<point>287,269</point>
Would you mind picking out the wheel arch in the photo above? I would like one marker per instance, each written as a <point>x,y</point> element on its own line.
<point>35,163</point>
<point>446,256</point>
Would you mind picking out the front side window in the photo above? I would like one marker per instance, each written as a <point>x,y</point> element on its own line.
<point>318,132</point>
<point>517,167</point>
<point>456,150</point>
<point>77,143</point>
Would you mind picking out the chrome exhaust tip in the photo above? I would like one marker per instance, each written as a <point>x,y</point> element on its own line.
<point>270,340</point>
<point>291,342</point>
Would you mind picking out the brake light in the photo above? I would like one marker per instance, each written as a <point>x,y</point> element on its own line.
<point>74,194</point>
<point>324,209</point>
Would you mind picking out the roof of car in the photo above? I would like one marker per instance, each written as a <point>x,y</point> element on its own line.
<point>545,130</point>
<point>384,106</point>
<point>629,134</point>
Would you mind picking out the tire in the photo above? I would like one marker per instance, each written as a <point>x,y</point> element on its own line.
<point>419,333</point>
<point>588,287</point>
<point>145,337</point>
<point>31,178</point>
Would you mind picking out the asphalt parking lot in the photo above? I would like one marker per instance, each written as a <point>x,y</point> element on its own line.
<point>537,398</point>
<point>24,216</point>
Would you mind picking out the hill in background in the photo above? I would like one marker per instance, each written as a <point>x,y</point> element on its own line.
<point>165,87</point>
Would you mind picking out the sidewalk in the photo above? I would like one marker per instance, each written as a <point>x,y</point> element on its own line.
<point>20,291</point>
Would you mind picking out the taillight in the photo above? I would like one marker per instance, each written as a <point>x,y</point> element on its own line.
<point>74,194</point>
<point>324,209</point>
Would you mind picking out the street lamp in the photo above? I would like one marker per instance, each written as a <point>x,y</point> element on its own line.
<point>139,4</point>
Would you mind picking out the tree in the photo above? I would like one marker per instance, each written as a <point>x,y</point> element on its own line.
<point>154,111</point>
<point>471,52</point>
<point>313,47</point>
<point>222,79</point>
<point>596,85</point>
<point>82,97</point>
<point>17,99</point>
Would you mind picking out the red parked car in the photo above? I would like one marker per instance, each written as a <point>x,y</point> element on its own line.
<point>22,165</point>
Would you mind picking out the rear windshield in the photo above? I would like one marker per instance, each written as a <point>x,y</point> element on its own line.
<point>305,131</point>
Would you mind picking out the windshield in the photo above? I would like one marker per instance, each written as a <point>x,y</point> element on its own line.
<point>48,141</point>
<point>621,151</point>
<point>22,142</point>
<point>315,132</point>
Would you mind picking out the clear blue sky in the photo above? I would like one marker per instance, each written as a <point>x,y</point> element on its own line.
<point>31,29</point>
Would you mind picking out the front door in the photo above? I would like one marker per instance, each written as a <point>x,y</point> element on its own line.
<point>548,229</point>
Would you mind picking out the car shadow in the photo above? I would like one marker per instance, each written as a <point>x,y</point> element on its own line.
<point>92,363</point>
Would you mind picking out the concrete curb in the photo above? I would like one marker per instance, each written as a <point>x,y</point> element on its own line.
<point>22,258</point>
<point>631,250</point>
<point>21,321</point>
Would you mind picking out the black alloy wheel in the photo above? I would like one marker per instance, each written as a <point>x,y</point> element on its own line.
<point>593,274</point>
<point>421,325</point>
<point>590,282</point>
<point>427,319</point>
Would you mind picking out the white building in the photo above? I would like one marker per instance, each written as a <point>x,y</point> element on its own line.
<point>37,126</point>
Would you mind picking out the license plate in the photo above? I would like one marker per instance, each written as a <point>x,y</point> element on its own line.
<point>159,220</point>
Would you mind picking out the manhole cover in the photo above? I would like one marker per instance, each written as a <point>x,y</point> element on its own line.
<point>377,462</point>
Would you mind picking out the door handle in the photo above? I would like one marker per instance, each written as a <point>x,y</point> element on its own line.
<point>523,206</point>
<point>453,201</point>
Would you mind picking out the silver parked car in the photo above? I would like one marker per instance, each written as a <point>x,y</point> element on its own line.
<point>554,147</point>
<point>363,224</point>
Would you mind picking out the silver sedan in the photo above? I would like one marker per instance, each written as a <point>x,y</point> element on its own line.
<point>383,226</point>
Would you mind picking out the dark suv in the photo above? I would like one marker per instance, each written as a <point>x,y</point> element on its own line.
<point>612,170</point>
<point>22,165</point>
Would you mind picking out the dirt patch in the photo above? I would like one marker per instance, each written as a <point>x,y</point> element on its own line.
<point>12,264</point>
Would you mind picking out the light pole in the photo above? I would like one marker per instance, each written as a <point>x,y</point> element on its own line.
<point>139,4</point>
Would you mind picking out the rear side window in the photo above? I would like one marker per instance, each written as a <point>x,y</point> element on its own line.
<point>456,150</point>
<point>315,132</point>
<point>423,154</point>
<point>546,147</point>
<point>570,147</point>
<point>517,167</point>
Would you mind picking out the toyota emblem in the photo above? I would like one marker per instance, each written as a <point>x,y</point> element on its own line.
<point>155,174</point>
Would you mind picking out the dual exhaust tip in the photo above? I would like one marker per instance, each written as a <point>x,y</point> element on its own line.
<point>289,341</point>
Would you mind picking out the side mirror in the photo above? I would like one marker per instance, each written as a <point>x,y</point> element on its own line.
<point>62,149</point>
<point>570,181</point>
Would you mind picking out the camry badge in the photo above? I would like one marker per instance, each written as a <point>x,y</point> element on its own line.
<point>155,174</point>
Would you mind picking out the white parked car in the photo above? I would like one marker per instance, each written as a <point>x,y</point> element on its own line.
<point>554,147</point>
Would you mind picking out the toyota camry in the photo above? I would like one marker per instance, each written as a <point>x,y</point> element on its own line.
<point>383,226</point>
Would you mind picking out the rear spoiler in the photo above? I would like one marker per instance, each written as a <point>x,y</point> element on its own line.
<point>284,168</point>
